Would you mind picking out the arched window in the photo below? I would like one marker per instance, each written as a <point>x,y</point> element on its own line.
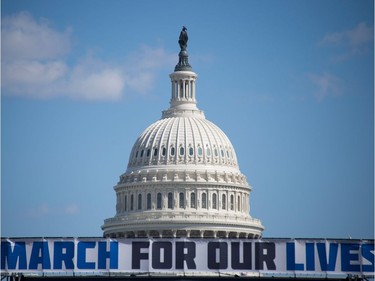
<point>136,154</point>
<point>181,200</point>
<point>204,201</point>
<point>155,152</point>
<point>238,203</point>
<point>148,201</point>
<point>216,153</point>
<point>126,203</point>
<point>163,151</point>
<point>192,200</point>
<point>214,201</point>
<point>172,151</point>
<point>191,151</point>
<point>158,201</point>
<point>200,151</point>
<point>139,201</point>
<point>232,202</point>
<point>182,150</point>
<point>208,151</point>
<point>181,90</point>
<point>170,200</point>
<point>132,202</point>
<point>148,152</point>
<point>223,202</point>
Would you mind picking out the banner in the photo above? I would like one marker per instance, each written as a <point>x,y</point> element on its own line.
<point>95,256</point>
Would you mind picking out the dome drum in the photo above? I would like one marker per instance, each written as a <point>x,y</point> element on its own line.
<point>222,200</point>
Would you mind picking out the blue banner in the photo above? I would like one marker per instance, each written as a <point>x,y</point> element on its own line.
<point>93,256</point>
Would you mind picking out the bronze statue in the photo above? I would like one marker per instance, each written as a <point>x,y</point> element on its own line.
<point>183,39</point>
<point>183,57</point>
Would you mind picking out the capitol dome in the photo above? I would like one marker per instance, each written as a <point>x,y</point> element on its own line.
<point>183,140</point>
<point>182,178</point>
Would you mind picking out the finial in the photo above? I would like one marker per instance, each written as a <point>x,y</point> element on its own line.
<point>183,62</point>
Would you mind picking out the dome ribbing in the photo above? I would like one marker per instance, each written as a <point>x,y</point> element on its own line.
<point>183,140</point>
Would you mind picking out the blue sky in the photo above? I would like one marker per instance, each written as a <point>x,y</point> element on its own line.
<point>290,82</point>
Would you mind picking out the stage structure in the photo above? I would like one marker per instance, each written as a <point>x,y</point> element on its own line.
<point>183,178</point>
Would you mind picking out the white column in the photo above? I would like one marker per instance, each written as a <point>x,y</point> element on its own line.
<point>228,201</point>
<point>122,196</point>
<point>144,200</point>
<point>185,90</point>
<point>175,200</point>
<point>248,203</point>
<point>172,89</point>
<point>198,199</point>
<point>118,203</point>
<point>219,198</point>
<point>164,202</point>
<point>188,89</point>
<point>209,200</point>
<point>187,199</point>
<point>193,91</point>
<point>153,200</point>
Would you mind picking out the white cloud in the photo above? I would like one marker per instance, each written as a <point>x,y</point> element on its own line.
<point>327,85</point>
<point>44,210</point>
<point>360,35</point>
<point>71,209</point>
<point>39,211</point>
<point>152,58</point>
<point>357,36</point>
<point>24,38</point>
<point>33,78</point>
<point>141,66</point>
<point>355,41</point>
<point>32,71</point>
<point>91,79</point>
<point>141,82</point>
<point>36,65</point>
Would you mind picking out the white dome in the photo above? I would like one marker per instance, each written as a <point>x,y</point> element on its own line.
<point>183,140</point>
<point>182,178</point>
